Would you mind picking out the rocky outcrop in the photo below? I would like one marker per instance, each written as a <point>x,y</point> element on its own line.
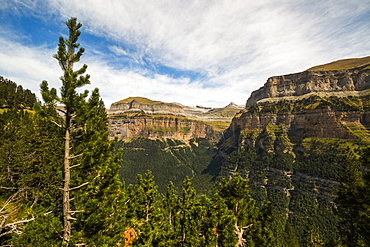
<point>311,104</point>
<point>134,117</point>
<point>316,123</point>
<point>149,108</point>
<point>155,127</point>
<point>356,79</point>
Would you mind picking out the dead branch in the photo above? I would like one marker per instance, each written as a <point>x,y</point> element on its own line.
<point>75,166</point>
<point>10,199</point>
<point>74,188</point>
<point>62,111</point>
<point>8,188</point>
<point>78,155</point>
<point>74,212</point>
<point>19,222</point>
<point>60,126</point>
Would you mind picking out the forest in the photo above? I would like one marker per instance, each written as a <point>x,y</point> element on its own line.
<point>62,184</point>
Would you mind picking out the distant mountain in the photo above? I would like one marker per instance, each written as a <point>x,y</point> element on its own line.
<point>138,116</point>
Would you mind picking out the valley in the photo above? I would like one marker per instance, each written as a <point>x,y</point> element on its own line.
<point>290,142</point>
<point>289,148</point>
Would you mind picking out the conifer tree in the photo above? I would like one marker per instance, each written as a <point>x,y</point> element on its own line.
<point>354,201</point>
<point>252,226</point>
<point>30,177</point>
<point>90,169</point>
<point>170,207</point>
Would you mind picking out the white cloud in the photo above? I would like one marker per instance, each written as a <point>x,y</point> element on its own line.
<point>117,50</point>
<point>235,44</point>
<point>28,66</point>
<point>115,85</point>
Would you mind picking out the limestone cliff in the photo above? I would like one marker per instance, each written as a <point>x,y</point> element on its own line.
<point>293,138</point>
<point>312,104</point>
<point>317,79</point>
<point>137,116</point>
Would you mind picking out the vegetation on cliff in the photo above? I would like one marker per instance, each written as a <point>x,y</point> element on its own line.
<point>341,104</point>
<point>169,160</point>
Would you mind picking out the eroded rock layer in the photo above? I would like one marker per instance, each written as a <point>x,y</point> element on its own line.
<point>141,117</point>
<point>355,79</point>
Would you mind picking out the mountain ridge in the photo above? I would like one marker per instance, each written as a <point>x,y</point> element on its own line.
<point>139,116</point>
<point>355,79</point>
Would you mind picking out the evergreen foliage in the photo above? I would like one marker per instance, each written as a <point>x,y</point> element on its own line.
<point>55,145</point>
<point>298,185</point>
<point>343,104</point>
<point>169,160</point>
<point>14,96</point>
<point>354,201</point>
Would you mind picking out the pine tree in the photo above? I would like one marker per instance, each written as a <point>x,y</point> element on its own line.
<point>30,178</point>
<point>252,225</point>
<point>354,201</point>
<point>91,188</point>
<point>290,237</point>
<point>170,210</point>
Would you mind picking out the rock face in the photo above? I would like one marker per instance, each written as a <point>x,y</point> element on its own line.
<point>317,123</point>
<point>292,139</point>
<point>134,117</point>
<point>158,127</point>
<point>356,79</point>
<point>311,104</point>
<point>152,107</point>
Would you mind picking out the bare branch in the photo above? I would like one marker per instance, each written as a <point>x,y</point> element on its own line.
<point>19,222</point>
<point>63,111</point>
<point>75,166</point>
<point>78,155</point>
<point>60,126</point>
<point>8,188</point>
<point>74,188</point>
<point>71,218</point>
<point>14,224</point>
<point>6,233</point>
<point>74,212</point>
<point>10,199</point>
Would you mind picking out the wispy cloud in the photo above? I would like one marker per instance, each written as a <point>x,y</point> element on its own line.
<point>233,45</point>
<point>27,66</point>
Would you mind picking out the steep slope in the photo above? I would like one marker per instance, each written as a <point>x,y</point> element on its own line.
<point>137,116</point>
<point>292,139</point>
<point>346,78</point>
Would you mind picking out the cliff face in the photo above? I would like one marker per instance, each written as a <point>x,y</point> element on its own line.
<point>293,138</point>
<point>158,127</point>
<point>150,108</point>
<point>316,103</point>
<point>141,117</point>
<point>356,79</point>
<point>316,123</point>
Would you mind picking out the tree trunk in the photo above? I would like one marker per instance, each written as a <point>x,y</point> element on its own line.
<point>66,189</point>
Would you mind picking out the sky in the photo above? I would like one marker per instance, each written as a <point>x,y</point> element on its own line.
<point>194,52</point>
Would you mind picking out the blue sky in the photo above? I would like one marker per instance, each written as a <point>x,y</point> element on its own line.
<point>208,52</point>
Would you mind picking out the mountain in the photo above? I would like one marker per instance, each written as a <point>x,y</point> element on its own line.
<point>293,138</point>
<point>339,79</point>
<point>311,104</point>
<point>138,116</point>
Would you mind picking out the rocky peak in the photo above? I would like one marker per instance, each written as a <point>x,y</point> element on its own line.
<point>350,75</point>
